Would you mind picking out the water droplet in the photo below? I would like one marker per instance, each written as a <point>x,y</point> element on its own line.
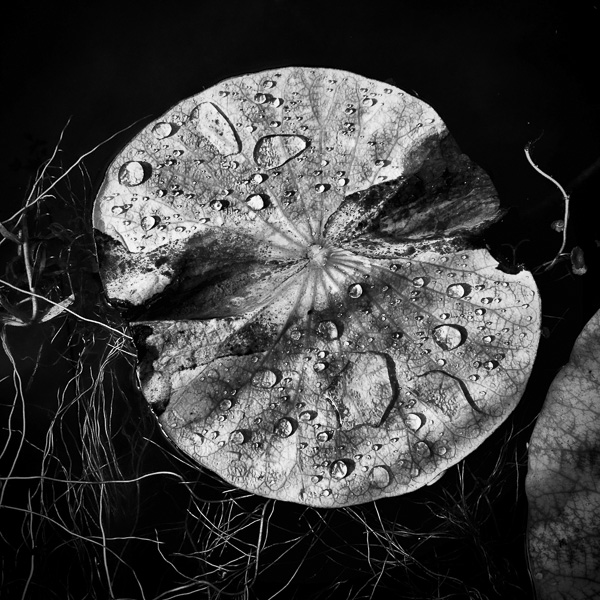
<point>320,366</point>
<point>162,130</point>
<point>272,151</point>
<point>260,98</point>
<point>148,222</point>
<point>349,110</point>
<point>480,311</point>
<point>380,163</point>
<point>118,210</point>
<point>258,178</point>
<point>486,300</point>
<point>225,404</point>
<point>441,362</point>
<point>488,339</point>
<point>255,202</point>
<point>369,102</point>
<point>448,337</point>
<point>316,478</point>
<point>219,204</point>
<point>180,229</point>
<point>326,493</point>
<point>419,281</point>
<point>308,415</point>
<point>324,436</point>
<point>268,83</point>
<point>212,124</point>
<point>490,365</point>
<point>320,188</point>
<point>422,449</point>
<point>473,377</point>
<point>342,181</point>
<point>457,290</point>
<point>441,447</point>
<point>355,290</point>
<point>239,436</point>
<point>264,378</point>
<point>328,330</point>
<point>276,102</point>
<point>339,469</point>
<point>380,476</point>
<point>284,427</point>
<point>133,173</point>
<point>414,421</point>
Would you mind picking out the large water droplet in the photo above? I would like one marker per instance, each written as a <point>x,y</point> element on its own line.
<point>328,330</point>
<point>457,290</point>
<point>414,421</point>
<point>448,337</point>
<point>380,476</point>
<point>258,178</point>
<point>162,130</point>
<point>216,128</point>
<point>256,201</point>
<point>355,290</point>
<point>264,378</point>
<point>284,427</point>
<point>239,436</point>
<point>272,151</point>
<point>133,173</point>
<point>422,449</point>
<point>339,469</point>
<point>149,222</point>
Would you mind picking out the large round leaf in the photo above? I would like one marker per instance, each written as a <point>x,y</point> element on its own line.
<point>312,323</point>
<point>563,480</point>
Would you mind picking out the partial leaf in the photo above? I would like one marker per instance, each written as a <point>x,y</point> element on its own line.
<point>563,480</point>
<point>313,323</point>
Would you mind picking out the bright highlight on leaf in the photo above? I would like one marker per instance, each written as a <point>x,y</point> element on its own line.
<point>313,324</point>
<point>563,480</point>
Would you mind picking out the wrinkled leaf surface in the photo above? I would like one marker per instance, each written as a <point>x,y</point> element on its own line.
<point>312,323</point>
<point>563,480</point>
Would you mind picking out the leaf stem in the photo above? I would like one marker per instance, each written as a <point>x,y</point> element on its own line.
<point>565,196</point>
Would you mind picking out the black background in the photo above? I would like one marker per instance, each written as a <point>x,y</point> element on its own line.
<point>500,74</point>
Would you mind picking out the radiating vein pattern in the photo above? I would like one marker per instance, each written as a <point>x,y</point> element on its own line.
<point>314,324</point>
